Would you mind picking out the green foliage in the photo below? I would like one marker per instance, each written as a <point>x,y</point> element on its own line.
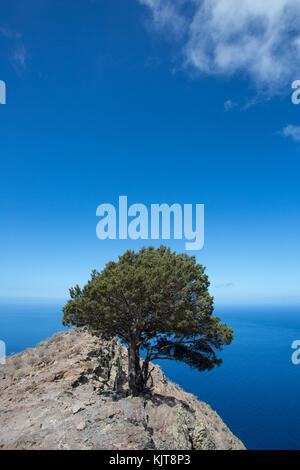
<point>154,300</point>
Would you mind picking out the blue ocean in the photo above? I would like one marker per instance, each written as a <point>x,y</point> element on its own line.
<point>255,390</point>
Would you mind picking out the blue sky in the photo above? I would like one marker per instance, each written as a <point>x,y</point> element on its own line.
<point>109,98</point>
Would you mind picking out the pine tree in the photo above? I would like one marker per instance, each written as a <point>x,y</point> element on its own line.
<point>156,302</point>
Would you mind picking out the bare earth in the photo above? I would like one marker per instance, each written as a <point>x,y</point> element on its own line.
<point>70,392</point>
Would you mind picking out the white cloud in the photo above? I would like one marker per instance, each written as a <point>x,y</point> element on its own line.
<point>292,131</point>
<point>258,38</point>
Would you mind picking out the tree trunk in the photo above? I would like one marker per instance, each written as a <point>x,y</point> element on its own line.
<point>135,375</point>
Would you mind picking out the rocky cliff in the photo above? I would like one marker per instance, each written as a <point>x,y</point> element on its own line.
<point>70,392</point>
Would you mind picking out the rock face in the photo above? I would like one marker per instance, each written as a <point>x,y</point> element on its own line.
<point>70,392</point>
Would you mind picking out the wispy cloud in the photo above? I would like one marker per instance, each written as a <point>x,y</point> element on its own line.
<point>9,33</point>
<point>18,56</point>
<point>292,131</point>
<point>229,105</point>
<point>258,39</point>
<point>166,15</point>
<point>224,285</point>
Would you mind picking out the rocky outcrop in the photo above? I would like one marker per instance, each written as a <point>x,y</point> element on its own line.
<point>70,392</point>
